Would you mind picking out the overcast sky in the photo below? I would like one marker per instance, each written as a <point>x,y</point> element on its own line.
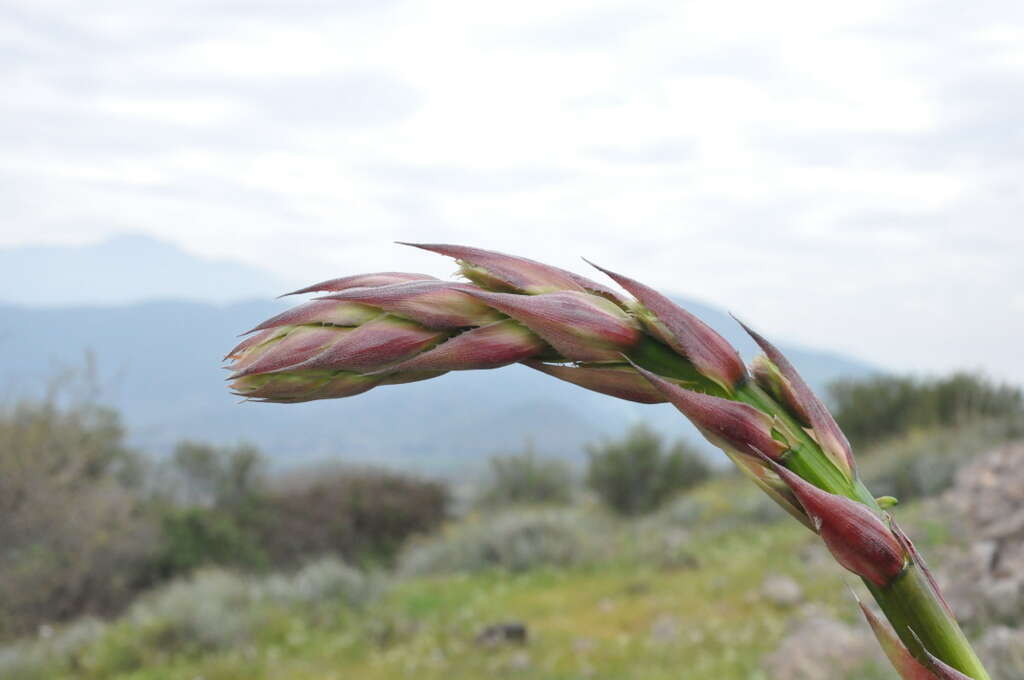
<point>846,175</point>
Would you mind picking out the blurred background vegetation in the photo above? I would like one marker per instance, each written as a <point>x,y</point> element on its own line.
<point>646,560</point>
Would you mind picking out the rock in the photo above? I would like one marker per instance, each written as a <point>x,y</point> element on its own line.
<point>637,588</point>
<point>985,581</point>
<point>510,632</point>
<point>582,645</point>
<point>1002,650</point>
<point>519,662</point>
<point>665,629</point>
<point>819,647</point>
<point>1004,597</point>
<point>782,591</point>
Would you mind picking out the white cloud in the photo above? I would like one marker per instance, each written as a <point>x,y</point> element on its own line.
<point>832,171</point>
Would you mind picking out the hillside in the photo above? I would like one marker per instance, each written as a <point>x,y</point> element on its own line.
<point>124,269</point>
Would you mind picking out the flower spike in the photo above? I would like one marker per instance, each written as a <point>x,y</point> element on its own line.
<point>391,328</point>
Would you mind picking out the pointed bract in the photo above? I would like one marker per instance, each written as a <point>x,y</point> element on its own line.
<point>580,326</point>
<point>409,377</point>
<point>372,346</point>
<point>299,344</point>
<point>253,340</point>
<point>754,470</point>
<point>498,344</point>
<point>940,669</point>
<point>770,379</point>
<point>501,272</point>
<point>902,660</point>
<point>810,408</point>
<point>598,289</point>
<point>302,386</point>
<point>617,380</point>
<point>435,304</point>
<point>855,536</point>
<point>713,356</point>
<point>323,312</point>
<point>738,426</point>
<point>362,281</point>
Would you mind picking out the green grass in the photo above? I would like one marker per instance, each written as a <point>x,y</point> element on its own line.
<point>633,613</point>
<point>596,621</point>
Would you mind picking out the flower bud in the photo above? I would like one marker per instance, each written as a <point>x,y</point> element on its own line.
<point>805,406</point>
<point>498,344</point>
<point>434,304</point>
<point>372,346</point>
<point>302,386</point>
<point>855,536</point>
<point>262,337</point>
<point>617,380</point>
<point>902,660</point>
<point>708,351</point>
<point>296,345</point>
<point>580,326</point>
<point>727,424</point>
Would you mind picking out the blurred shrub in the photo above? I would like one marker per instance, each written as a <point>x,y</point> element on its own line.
<point>323,582</point>
<point>514,540</point>
<point>924,463</point>
<point>526,479</point>
<point>76,538</point>
<point>194,537</point>
<point>215,609</point>
<point>53,651</point>
<point>873,409</point>
<point>230,478</point>
<point>86,523</point>
<point>361,514</point>
<point>212,610</point>
<point>1002,649</point>
<point>208,610</point>
<point>211,501</point>
<point>636,474</point>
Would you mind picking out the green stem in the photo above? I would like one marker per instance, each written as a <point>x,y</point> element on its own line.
<point>915,612</point>
<point>909,602</point>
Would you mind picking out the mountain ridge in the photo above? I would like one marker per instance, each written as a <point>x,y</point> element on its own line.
<point>124,269</point>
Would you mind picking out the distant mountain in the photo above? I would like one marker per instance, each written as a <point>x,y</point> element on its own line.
<point>122,270</point>
<point>158,362</point>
